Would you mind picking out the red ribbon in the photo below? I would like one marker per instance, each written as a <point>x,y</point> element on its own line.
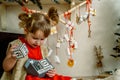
<point>88,3</point>
<point>26,10</point>
<point>67,15</point>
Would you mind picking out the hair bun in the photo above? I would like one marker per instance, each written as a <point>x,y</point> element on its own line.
<point>52,11</point>
<point>53,15</point>
<point>23,16</point>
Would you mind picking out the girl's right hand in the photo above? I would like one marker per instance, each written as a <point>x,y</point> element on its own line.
<point>11,51</point>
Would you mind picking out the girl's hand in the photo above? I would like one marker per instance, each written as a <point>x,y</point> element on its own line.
<point>51,73</point>
<point>11,51</point>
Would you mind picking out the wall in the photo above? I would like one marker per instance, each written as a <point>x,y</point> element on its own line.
<point>103,28</point>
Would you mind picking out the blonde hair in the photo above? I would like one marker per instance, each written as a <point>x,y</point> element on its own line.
<point>34,22</point>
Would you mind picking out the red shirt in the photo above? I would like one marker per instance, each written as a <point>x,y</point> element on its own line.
<point>35,53</point>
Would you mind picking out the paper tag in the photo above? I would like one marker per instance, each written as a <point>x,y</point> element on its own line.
<point>53,30</point>
<point>76,45</point>
<point>49,51</point>
<point>68,51</point>
<point>66,37</point>
<point>58,45</point>
<point>57,59</point>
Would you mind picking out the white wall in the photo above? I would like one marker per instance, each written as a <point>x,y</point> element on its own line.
<point>103,28</point>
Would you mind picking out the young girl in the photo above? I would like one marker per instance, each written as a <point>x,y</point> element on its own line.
<point>36,28</point>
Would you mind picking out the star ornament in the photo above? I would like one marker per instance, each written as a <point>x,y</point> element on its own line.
<point>53,30</point>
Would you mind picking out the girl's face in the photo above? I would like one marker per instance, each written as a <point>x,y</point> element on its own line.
<point>35,40</point>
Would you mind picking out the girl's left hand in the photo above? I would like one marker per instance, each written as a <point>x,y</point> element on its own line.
<point>51,73</point>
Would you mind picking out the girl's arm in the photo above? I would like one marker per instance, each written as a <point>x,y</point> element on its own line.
<point>10,59</point>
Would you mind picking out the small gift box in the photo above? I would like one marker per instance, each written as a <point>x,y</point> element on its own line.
<point>38,67</point>
<point>20,51</point>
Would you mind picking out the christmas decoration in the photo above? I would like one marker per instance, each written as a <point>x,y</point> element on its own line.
<point>92,12</point>
<point>78,16</point>
<point>81,18</point>
<point>117,47</point>
<point>66,37</point>
<point>70,62</point>
<point>99,56</point>
<point>77,19</point>
<point>58,44</point>
<point>57,59</point>
<point>49,51</point>
<point>67,15</point>
<point>69,25</point>
<point>88,6</point>
<point>53,30</point>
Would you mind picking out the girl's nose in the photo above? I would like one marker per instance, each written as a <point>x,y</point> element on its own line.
<point>37,42</point>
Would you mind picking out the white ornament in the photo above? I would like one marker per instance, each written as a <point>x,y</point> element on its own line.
<point>85,16</point>
<point>57,59</point>
<point>49,51</point>
<point>68,51</point>
<point>58,44</point>
<point>53,30</point>
<point>93,12</point>
<point>66,37</point>
<point>76,45</point>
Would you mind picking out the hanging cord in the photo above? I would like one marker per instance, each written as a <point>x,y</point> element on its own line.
<point>57,42</point>
<point>70,60</point>
<point>78,16</point>
<point>79,11</point>
<point>88,2</point>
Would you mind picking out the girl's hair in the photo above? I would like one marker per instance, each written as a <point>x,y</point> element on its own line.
<point>35,21</point>
<point>53,14</point>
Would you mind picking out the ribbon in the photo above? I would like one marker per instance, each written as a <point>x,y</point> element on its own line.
<point>67,15</point>
<point>88,2</point>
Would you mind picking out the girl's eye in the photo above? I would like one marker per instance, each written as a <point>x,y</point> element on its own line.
<point>41,39</point>
<point>35,38</point>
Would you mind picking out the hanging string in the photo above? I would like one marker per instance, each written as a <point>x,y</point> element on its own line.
<point>70,62</point>
<point>57,60</point>
<point>69,31</point>
<point>79,11</point>
<point>89,24</point>
<point>78,16</point>
<point>71,10</point>
<point>57,42</point>
<point>70,46</point>
<point>88,2</point>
